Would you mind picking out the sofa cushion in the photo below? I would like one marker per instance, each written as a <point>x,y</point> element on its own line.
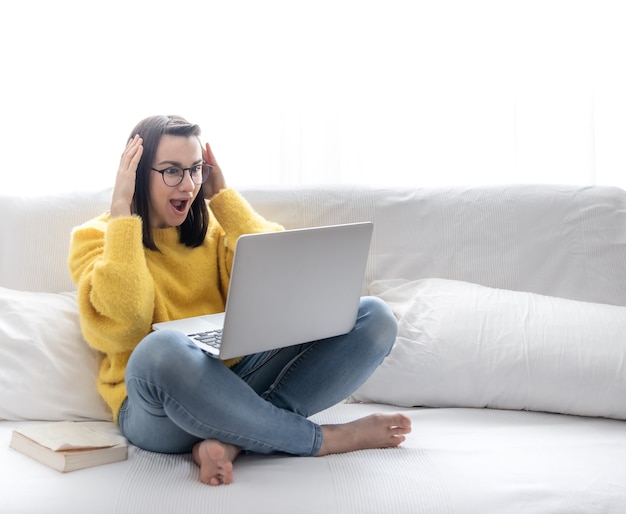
<point>47,370</point>
<point>466,345</point>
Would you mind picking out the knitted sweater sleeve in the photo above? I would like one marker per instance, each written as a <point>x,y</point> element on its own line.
<point>238,217</point>
<point>115,288</point>
<point>235,217</point>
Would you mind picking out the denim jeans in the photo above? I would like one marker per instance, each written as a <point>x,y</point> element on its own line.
<point>178,396</point>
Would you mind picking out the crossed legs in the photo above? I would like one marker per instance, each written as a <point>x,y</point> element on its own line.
<point>180,400</point>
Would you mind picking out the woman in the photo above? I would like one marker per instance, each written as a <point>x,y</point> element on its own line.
<point>164,251</point>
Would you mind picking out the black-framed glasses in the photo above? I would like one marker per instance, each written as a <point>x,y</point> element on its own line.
<point>173,175</point>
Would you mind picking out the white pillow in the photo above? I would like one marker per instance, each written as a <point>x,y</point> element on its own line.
<point>47,370</point>
<point>466,345</point>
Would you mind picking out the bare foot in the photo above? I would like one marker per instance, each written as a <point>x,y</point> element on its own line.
<point>215,460</point>
<point>374,431</point>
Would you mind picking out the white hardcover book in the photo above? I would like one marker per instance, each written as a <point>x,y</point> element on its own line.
<point>67,446</point>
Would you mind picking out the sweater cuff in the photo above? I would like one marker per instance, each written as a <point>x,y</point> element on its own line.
<point>124,236</point>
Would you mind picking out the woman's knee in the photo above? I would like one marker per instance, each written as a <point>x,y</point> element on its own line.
<point>378,319</point>
<point>159,352</point>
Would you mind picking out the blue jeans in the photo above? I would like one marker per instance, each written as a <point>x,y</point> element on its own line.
<point>178,396</point>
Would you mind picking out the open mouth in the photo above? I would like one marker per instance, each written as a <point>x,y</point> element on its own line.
<point>179,205</point>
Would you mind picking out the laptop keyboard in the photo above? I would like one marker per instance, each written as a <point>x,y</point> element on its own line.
<point>211,338</point>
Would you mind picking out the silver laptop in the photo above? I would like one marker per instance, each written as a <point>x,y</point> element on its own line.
<point>286,288</point>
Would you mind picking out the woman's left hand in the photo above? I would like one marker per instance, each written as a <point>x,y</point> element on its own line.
<point>216,182</point>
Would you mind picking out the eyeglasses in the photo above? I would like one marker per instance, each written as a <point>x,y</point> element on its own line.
<point>173,175</point>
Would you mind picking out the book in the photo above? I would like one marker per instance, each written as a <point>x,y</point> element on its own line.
<point>67,446</point>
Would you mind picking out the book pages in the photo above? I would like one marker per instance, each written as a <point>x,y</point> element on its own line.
<point>66,435</point>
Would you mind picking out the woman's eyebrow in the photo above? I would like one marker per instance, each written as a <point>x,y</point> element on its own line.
<point>176,163</point>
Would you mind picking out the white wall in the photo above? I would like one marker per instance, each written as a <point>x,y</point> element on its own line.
<point>416,92</point>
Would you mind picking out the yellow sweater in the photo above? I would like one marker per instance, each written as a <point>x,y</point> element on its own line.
<point>123,288</point>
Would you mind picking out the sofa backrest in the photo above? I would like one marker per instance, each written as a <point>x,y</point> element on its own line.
<point>562,241</point>
<point>35,237</point>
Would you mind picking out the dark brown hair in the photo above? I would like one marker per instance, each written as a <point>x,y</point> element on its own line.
<point>193,230</point>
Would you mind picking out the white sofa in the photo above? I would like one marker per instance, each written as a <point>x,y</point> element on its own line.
<point>510,360</point>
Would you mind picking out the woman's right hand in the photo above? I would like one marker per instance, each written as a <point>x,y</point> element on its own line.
<point>124,188</point>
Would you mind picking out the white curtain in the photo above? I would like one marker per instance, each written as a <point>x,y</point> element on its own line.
<point>385,92</point>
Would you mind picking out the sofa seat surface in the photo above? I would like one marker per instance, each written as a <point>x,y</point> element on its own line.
<point>455,461</point>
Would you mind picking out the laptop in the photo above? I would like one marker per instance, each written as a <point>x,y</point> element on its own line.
<point>286,288</point>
